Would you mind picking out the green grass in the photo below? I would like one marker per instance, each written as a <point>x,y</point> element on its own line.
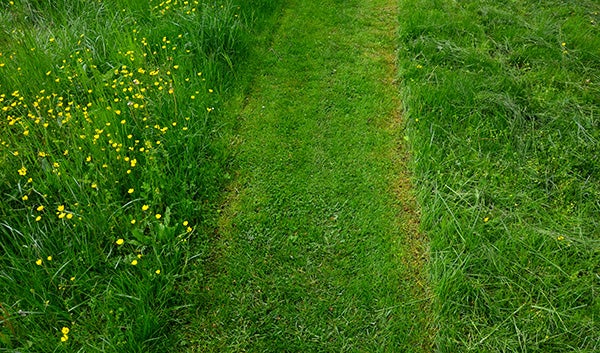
<point>122,121</point>
<point>310,252</point>
<point>110,165</point>
<point>503,100</point>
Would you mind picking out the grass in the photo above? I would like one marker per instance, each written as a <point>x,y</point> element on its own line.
<point>122,121</point>
<point>110,165</point>
<point>310,253</point>
<point>502,99</point>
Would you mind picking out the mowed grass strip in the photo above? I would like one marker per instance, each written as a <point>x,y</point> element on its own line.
<point>504,103</point>
<point>310,252</point>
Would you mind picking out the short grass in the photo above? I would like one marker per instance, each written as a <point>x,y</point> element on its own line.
<point>311,251</point>
<point>110,164</point>
<point>503,99</point>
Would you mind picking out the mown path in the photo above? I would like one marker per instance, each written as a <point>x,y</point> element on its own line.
<point>318,249</point>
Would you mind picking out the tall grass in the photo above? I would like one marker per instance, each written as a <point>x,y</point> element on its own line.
<point>503,99</point>
<point>109,165</point>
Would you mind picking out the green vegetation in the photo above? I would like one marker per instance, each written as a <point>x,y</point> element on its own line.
<point>215,176</point>
<point>110,165</point>
<point>311,253</point>
<point>503,102</point>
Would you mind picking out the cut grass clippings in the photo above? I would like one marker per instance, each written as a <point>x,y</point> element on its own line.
<point>312,245</point>
<point>503,99</point>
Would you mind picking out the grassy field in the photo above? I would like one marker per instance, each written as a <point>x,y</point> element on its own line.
<point>503,103</point>
<point>110,164</point>
<point>221,175</point>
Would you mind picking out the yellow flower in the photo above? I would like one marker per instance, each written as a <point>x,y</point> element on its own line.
<point>64,338</point>
<point>157,216</point>
<point>69,215</point>
<point>486,219</point>
<point>25,198</point>
<point>38,262</point>
<point>157,272</point>
<point>145,207</point>
<point>61,208</point>
<point>134,262</point>
<point>49,258</point>
<point>132,221</point>
<point>38,218</point>
<point>22,171</point>
<point>40,208</point>
<point>120,241</point>
<point>560,238</point>
<point>65,331</point>
<point>130,191</point>
<point>185,223</point>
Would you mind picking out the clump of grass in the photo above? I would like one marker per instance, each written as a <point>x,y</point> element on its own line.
<point>108,165</point>
<point>502,101</point>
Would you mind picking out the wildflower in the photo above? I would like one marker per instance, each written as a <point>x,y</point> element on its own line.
<point>38,262</point>
<point>40,208</point>
<point>132,221</point>
<point>65,331</point>
<point>130,191</point>
<point>69,215</point>
<point>486,219</point>
<point>94,185</point>
<point>560,238</point>
<point>49,258</point>
<point>134,262</point>
<point>158,215</point>
<point>38,218</point>
<point>145,207</point>
<point>22,171</point>
<point>64,338</point>
<point>157,272</point>
<point>25,198</point>
<point>185,223</point>
<point>120,241</point>
<point>61,208</point>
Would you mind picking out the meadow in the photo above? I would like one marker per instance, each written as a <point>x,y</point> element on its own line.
<point>111,164</point>
<point>153,199</point>
<point>502,105</point>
